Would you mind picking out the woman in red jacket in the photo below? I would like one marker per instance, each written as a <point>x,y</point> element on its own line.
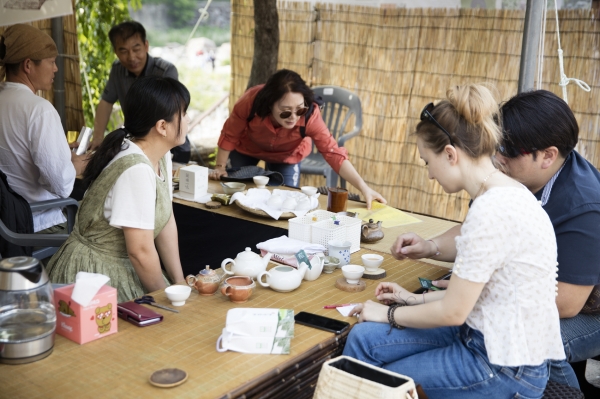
<point>265,125</point>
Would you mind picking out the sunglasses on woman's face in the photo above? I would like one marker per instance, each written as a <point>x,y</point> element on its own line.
<point>299,112</point>
<point>426,116</point>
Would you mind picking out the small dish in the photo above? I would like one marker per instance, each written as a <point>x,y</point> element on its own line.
<point>260,181</point>
<point>309,190</point>
<point>233,187</point>
<point>168,378</point>
<point>372,261</point>
<point>330,263</point>
<point>177,294</point>
<point>353,273</point>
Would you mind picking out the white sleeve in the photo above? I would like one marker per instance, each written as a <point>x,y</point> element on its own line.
<point>51,154</point>
<point>132,200</point>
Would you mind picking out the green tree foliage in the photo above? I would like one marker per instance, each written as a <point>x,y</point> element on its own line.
<point>94,20</point>
<point>181,12</point>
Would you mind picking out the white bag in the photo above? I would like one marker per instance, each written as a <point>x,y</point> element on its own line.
<point>260,330</point>
<point>347,378</point>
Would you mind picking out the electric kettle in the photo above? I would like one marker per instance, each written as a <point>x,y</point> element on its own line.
<point>27,313</point>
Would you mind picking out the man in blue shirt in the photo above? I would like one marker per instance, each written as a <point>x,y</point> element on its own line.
<point>540,135</point>
<point>131,48</point>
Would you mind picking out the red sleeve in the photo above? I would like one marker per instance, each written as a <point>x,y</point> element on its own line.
<point>317,130</point>
<point>237,122</point>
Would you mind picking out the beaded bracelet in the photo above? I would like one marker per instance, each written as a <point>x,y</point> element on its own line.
<point>391,319</point>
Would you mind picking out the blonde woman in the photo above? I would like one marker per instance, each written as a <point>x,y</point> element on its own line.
<point>492,332</point>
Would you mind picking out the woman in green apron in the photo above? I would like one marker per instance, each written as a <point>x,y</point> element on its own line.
<point>125,225</point>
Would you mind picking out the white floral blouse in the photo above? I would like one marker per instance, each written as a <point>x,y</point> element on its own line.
<point>507,241</point>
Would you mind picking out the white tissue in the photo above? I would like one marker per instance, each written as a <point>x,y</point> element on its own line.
<point>285,245</point>
<point>257,198</point>
<point>202,199</point>
<point>345,310</point>
<point>87,286</point>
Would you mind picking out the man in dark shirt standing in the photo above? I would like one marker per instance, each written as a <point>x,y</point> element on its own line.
<point>131,47</point>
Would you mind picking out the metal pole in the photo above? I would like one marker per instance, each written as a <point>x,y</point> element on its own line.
<point>531,39</point>
<point>59,77</point>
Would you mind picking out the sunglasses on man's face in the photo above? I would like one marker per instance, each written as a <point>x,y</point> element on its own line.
<point>510,152</point>
<point>299,112</point>
<point>426,116</point>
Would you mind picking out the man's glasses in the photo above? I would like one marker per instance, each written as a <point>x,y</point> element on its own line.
<point>426,116</point>
<point>299,112</point>
<point>511,152</point>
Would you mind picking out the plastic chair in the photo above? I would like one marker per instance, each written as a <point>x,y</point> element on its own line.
<point>45,244</point>
<point>339,106</point>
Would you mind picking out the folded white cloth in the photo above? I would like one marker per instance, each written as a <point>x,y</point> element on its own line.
<point>203,199</point>
<point>285,245</point>
<point>257,198</point>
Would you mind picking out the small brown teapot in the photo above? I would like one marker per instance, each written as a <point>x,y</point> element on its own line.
<point>371,232</point>
<point>206,281</point>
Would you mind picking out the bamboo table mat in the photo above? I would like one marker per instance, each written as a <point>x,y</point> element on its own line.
<point>119,365</point>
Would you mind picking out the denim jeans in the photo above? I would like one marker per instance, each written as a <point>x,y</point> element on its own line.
<point>581,338</point>
<point>290,172</point>
<point>448,362</point>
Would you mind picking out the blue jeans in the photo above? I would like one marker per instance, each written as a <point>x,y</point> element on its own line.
<point>581,338</point>
<point>290,172</point>
<point>448,362</point>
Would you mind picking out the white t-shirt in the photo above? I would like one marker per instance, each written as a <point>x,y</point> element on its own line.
<point>131,201</point>
<point>507,241</point>
<point>34,153</point>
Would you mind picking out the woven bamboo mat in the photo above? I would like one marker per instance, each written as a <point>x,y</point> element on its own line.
<point>119,365</point>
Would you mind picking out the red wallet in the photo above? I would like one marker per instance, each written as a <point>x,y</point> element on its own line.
<point>137,314</point>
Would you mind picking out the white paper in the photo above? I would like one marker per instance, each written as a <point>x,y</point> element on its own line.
<point>87,286</point>
<point>345,310</point>
<point>289,246</point>
<point>202,199</point>
<point>83,140</point>
<point>257,198</point>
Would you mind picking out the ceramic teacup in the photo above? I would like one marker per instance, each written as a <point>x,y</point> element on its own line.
<point>330,263</point>
<point>372,261</point>
<point>353,273</point>
<point>177,294</point>
<point>238,288</point>
<point>260,181</point>
<point>341,250</point>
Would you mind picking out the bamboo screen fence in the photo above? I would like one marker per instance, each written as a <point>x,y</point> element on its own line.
<point>397,60</point>
<point>74,106</point>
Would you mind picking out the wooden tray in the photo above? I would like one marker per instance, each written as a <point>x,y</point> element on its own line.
<point>260,212</point>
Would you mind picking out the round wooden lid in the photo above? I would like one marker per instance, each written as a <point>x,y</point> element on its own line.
<point>168,378</point>
<point>212,205</point>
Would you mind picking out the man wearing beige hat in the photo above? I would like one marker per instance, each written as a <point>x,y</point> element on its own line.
<point>34,153</point>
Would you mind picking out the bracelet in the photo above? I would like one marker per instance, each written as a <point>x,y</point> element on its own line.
<point>391,319</point>
<point>437,249</point>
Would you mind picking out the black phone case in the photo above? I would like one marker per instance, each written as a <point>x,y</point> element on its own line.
<point>337,326</point>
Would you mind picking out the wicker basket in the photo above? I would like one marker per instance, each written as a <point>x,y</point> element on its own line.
<point>300,228</point>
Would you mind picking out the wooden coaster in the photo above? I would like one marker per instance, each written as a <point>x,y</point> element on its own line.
<point>168,378</point>
<point>375,275</point>
<point>343,285</point>
<point>213,205</point>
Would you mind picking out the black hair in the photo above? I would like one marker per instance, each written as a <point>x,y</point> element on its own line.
<point>125,30</point>
<point>149,100</point>
<point>14,69</point>
<point>281,82</point>
<point>536,120</point>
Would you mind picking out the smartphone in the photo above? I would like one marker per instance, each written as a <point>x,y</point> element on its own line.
<point>321,322</point>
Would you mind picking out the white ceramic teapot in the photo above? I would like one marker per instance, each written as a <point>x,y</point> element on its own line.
<point>316,267</point>
<point>283,278</point>
<point>247,263</point>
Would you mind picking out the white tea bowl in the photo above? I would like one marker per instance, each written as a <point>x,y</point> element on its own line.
<point>353,273</point>
<point>260,181</point>
<point>308,190</point>
<point>372,261</point>
<point>177,294</point>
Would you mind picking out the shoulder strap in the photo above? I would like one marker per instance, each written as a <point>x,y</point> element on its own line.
<point>317,100</point>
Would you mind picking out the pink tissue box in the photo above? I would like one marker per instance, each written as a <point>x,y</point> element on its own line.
<point>85,324</point>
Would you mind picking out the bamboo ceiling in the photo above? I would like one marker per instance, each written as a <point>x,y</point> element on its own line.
<point>397,60</point>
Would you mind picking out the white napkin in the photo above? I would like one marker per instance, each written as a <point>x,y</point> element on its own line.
<point>345,310</point>
<point>87,286</point>
<point>257,198</point>
<point>203,199</point>
<point>286,246</point>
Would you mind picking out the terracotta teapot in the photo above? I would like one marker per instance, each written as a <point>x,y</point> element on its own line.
<point>247,263</point>
<point>206,281</point>
<point>371,232</point>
